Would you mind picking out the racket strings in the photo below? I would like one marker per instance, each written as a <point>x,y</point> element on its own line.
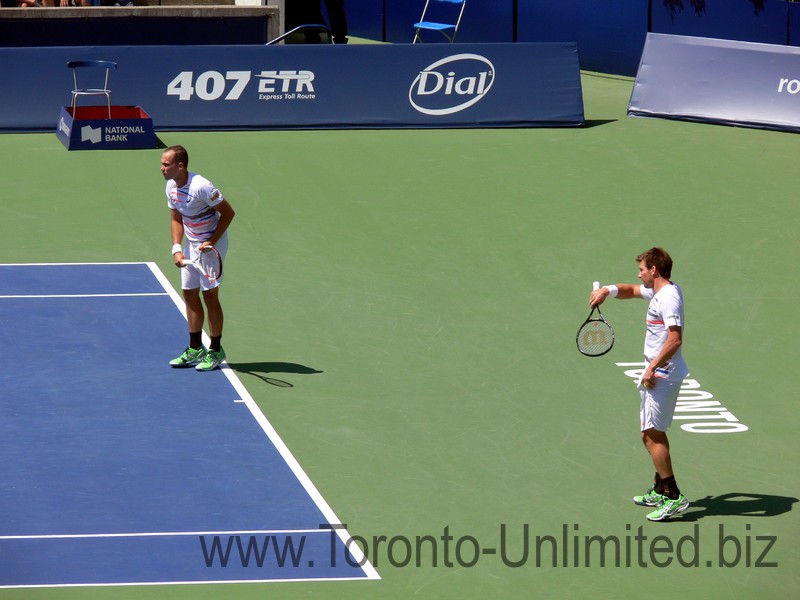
<point>595,338</point>
<point>210,264</point>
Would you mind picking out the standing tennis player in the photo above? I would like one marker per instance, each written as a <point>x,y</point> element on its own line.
<point>665,370</point>
<point>198,211</point>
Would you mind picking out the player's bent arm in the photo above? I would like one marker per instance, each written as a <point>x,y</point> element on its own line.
<point>670,347</point>
<point>671,344</point>
<point>226,214</point>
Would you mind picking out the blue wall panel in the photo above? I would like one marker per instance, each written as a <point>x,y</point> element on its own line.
<point>365,18</point>
<point>745,20</point>
<point>794,23</point>
<point>610,35</point>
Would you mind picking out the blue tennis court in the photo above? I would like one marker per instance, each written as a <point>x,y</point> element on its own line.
<point>119,470</point>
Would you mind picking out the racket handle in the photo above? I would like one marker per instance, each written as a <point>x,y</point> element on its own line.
<point>186,262</point>
<point>596,285</point>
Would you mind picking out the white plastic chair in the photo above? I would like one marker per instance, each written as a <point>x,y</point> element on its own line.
<point>91,91</point>
<point>447,29</point>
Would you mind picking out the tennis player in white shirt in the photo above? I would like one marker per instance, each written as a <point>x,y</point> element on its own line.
<point>661,381</point>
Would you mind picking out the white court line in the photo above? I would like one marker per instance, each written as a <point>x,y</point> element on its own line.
<point>83,295</point>
<point>81,536</point>
<point>71,264</point>
<point>28,296</point>
<point>190,582</point>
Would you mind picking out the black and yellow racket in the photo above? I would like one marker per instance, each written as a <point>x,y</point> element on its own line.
<point>596,336</point>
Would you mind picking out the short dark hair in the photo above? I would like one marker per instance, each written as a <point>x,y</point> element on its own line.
<point>658,258</point>
<point>180,154</point>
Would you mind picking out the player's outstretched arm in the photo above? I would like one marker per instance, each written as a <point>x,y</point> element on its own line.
<point>620,291</point>
<point>626,291</point>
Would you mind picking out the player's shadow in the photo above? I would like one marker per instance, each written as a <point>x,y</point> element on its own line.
<point>262,370</point>
<point>736,504</point>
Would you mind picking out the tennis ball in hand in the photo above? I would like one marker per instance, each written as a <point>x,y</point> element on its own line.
<point>647,385</point>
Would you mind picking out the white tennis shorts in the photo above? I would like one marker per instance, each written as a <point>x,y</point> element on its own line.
<point>658,404</point>
<point>191,278</point>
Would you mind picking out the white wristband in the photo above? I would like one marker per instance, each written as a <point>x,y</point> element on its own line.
<point>176,248</point>
<point>612,290</point>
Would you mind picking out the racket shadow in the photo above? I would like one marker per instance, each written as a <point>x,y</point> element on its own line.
<point>262,370</point>
<point>737,504</point>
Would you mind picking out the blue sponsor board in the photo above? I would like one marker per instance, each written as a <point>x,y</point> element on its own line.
<point>128,128</point>
<point>310,87</point>
<point>718,81</point>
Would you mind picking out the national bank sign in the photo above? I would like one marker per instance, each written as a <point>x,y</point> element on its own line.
<point>452,84</point>
<point>128,127</point>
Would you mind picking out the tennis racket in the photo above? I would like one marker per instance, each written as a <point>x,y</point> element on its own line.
<point>595,337</point>
<point>208,262</point>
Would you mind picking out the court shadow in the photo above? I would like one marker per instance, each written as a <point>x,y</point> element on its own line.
<point>597,122</point>
<point>263,369</point>
<point>736,504</point>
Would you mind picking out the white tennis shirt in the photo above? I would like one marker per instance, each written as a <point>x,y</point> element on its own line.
<point>664,311</point>
<point>195,201</point>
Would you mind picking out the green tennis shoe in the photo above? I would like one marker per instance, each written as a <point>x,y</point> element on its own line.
<point>650,498</point>
<point>189,358</point>
<point>669,508</point>
<point>211,360</point>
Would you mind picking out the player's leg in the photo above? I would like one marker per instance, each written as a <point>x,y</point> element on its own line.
<point>195,314</point>
<point>194,352</point>
<point>215,354</point>
<point>658,449</point>
<point>657,445</point>
<point>674,502</point>
<point>215,315</point>
<point>656,412</point>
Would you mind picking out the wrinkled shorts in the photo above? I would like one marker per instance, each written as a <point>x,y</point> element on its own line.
<point>658,404</point>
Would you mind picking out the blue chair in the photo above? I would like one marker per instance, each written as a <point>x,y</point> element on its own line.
<point>91,91</point>
<point>447,29</point>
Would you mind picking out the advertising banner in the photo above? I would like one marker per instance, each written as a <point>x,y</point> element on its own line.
<point>718,81</point>
<point>309,87</point>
